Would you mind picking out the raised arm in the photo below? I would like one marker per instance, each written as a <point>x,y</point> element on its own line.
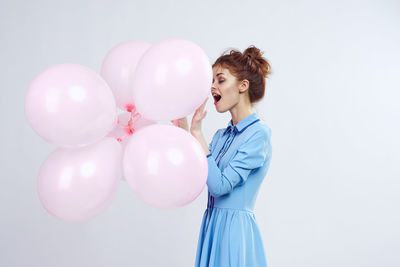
<point>250,155</point>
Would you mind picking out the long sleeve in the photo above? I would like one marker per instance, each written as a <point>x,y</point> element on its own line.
<point>214,139</point>
<point>250,155</point>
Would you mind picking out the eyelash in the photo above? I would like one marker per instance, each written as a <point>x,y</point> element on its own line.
<point>220,81</point>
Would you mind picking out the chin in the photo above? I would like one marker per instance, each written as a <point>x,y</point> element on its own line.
<point>220,110</point>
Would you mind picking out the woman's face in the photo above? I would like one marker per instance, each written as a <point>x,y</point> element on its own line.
<point>224,90</point>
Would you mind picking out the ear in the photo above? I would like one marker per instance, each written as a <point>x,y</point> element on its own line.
<point>244,86</point>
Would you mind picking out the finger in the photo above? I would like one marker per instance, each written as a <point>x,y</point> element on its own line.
<point>195,115</point>
<point>204,104</point>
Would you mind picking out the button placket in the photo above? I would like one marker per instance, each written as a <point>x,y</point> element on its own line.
<point>225,147</point>
<point>232,133</point>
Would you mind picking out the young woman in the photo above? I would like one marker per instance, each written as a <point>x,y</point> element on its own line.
<point>238,160</point>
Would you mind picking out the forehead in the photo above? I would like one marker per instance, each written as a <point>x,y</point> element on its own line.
<point>220,69</point>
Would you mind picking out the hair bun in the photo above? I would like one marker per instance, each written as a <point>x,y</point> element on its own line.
<point>254,56</point>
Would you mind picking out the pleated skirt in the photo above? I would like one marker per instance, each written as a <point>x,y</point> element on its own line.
<point>229,237</point>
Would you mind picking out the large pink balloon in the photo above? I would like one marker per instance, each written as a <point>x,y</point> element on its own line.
<point>70,105</point>
<point>118,65</point>
<point>122,132</point>
<point>171,80</point>
<point>76,184</point>
<point>165,166</point>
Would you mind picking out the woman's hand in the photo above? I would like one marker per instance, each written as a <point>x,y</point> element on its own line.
<point>199,115</point>
<point>182,123</point>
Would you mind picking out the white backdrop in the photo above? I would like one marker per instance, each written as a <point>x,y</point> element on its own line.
<point>332,192</point>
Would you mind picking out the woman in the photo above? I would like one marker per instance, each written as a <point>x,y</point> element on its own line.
<point>238,159</point>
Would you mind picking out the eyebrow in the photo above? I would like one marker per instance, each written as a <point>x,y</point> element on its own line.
<point>217,76</point>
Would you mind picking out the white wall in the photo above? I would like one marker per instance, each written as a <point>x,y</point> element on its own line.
<point>332,104</point>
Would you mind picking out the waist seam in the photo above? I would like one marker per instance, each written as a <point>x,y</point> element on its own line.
<point>215,207</point>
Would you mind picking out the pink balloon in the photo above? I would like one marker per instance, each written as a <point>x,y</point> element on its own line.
<point>123,131</point>
<point>127,125</point>
<point>117,68</point>
<point>172,79</point>
<point>70,105</point>
<point>76,184</point>
<point>165,166</point>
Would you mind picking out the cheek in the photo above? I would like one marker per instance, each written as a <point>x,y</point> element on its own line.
<point>231,94</point>
<point>228,91</point>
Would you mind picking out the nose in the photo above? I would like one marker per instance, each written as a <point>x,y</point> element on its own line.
<point>212,86</point>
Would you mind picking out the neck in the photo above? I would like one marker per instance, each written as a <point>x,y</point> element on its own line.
<point>239,112</point>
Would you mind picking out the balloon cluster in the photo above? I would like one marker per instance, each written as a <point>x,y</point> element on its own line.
<point>76,109</point>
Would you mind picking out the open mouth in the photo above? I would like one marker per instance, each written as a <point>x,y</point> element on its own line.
<point>217,97</point>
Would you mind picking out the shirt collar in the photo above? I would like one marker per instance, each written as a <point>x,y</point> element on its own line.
<point>243,124</point>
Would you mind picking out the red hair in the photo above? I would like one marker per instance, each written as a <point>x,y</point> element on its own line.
<point>249,65</point>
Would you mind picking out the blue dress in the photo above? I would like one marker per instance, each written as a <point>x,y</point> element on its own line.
<point>237,164</point>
